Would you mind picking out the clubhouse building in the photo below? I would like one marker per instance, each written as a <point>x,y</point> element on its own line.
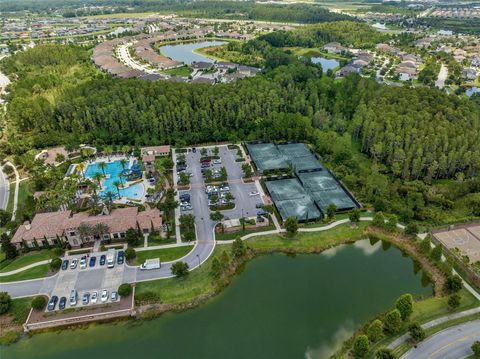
<point>65,226</point>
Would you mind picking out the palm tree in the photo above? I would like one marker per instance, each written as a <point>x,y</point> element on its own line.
<point>121,176</point>
<point>123,162</point>
<point>100,229</point>
<point>93,186</point>
<point>108,151</point>
<point>110,196</point>
<point>102,166</point>
<point>117,185</point>
<point>98,177</point>
<point>81,168</point>
<point>84,231</point>
<point>94,202</point>
<point>126,150</point>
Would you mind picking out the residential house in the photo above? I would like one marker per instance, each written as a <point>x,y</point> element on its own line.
<point>469,74</point>
<point>334,48</point>
<point>53,227</point>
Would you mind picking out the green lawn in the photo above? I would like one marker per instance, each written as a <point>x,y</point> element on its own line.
<point>23,191</point>
<point>175,291</point>
<point>165,255</point>
<point>32,273</point>
<point>308,242</point>
<point>158,241</point>
<point>434,307</point>
<point>179,71</point>
<point>26,259</point>
<point>233,235</point>
<point>11,196</point>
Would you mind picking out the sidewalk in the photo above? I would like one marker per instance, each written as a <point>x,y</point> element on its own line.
<point>33,265</point>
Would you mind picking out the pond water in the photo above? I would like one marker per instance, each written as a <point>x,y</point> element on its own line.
<point>184,52</point>
<point>279,307</point>
<point>327,64</point>
<point>472,90</point>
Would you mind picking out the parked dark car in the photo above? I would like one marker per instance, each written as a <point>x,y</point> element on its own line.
<point>259,205</point>
<point>92,261</point>
<point>65,264</point>
<point>61,304</point>
<point>185,197</point>
<point>194,149</point>
<point>52,303</point>
<point>102,260</point>
<point>120,257</point>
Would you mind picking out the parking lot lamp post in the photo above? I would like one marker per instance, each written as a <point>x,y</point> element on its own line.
<point>243,222</point>
<point>198,257</point>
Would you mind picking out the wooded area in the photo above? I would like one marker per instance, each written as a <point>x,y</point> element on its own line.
<point>389,145</point>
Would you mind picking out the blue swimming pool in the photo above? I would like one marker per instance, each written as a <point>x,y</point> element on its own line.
<point>113,171</point>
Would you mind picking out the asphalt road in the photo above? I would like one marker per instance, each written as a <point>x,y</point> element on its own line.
<point>4,188</point>
<point>451,343</point>
<point>84,280</point>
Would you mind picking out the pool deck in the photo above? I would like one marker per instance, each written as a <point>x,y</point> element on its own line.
<point>132,159</point>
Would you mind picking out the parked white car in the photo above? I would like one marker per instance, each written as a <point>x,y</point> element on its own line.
<point>74,263</point>
<point>83,262</point>
<point>254,193</point>
<point>94,297</point>
<point>104,297</point>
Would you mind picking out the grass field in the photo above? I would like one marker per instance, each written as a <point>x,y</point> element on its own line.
<point>179,71</point>
<point>32,273</point>
<point>18,312</point>
<point>165,255</point>
<point>27,259</point>
<point>175,291</point>
<point>309,242</point>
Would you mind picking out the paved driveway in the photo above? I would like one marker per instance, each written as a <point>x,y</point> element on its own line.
<point>101,278</point>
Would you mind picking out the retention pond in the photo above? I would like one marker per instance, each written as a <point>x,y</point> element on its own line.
<point>279,307</point>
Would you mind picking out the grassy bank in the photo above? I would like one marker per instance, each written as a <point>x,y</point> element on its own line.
<point>11,323</point>
<point>174,291</point>
<point>32,273</point>
<point>165,255</point>
<point>308,242</point>
<point>25,260</point>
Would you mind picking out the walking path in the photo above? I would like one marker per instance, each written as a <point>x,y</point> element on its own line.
<point>4,189</point>
<point>17,188</point>
<point>36,264</point>
<point>442,76</point>
<point>164,246</point>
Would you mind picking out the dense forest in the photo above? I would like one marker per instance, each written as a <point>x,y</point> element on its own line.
<point>348,33</point>
<point>247,10</point>
<point>390,145</point>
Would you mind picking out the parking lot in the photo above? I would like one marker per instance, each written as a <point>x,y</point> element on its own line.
<point>246,195</point>
<point>88,280</point>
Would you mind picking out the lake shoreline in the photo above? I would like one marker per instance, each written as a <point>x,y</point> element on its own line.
<point>149,311</point>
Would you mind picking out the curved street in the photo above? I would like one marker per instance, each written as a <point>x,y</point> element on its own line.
<point>454,342</point>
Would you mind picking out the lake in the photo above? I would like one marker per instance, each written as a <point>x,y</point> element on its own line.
<point>184,52</point>
<point>327,64</point>
<point>279,307</point>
